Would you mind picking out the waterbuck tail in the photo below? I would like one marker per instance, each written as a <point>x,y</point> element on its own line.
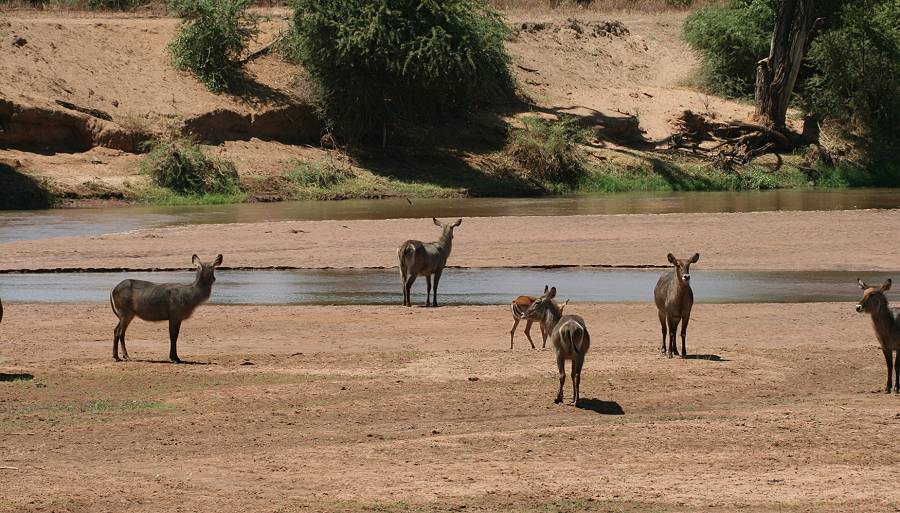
<point>576,339</point>
<point>113,304</point>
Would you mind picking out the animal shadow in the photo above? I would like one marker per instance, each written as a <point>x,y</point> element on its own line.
<point>16,376</point>
<point>710,357</point>
<point>601,407</point>
<point>183,362</point>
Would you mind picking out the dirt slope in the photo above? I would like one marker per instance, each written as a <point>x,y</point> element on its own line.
<point>622,80</point>
<point>372,409</point>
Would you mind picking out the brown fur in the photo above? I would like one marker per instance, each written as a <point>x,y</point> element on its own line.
<point>425,259</point>
<point>173,302</point>
<point>568,336</point>
<point>674,300</point>
<point>518,306</point>
<point>886,321</point>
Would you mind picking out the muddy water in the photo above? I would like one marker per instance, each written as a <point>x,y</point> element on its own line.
<point>458,286</point>
<point>66,222</point>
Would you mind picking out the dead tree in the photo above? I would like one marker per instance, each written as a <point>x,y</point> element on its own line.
<point>777,73</point>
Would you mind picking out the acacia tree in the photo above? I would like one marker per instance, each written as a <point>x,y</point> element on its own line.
<point>777,73</point>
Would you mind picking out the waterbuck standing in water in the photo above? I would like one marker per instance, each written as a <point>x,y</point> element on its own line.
<point>674,300</point>
<point>173,302</point>
<point>568,336</point>
<point>887,327</point>
<point>424,259</point>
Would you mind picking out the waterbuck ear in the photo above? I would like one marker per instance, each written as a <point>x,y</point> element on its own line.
<point>886,285</point>
<point>457,223</point>
<point>195,260</point>
<point>218,261</point>
<point>436,221</point>
<point>546,289</point>
<point>671,258</point>
<point>695,258</point>
<point>563,306</point>
<point>552,293</point>
<point>862,284</point>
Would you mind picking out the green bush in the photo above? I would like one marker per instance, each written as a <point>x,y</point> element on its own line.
<point>180,165</point>
<point>857,70</point>
<point>386,63</point>
<point>317,174</point>
<point>213,37</point>
<point>549,151</point>
<point>731,39</point>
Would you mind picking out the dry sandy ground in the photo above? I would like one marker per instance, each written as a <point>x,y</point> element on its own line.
<point>376,409</point>
<point>835,240</point>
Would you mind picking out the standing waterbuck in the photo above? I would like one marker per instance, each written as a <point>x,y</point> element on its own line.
<point>173,302</point>
<point>674,300</point>
<point>887,327</point>
<point>424,259</point>
<point>518,306</point>
<point>568,336</point>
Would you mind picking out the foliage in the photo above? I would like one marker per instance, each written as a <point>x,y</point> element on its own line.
<point>731,39</point>
<point>214,35</point>
<point>317,174</point>
<point>857,70</point>
<point>383,64</point>
<point>549,151</point>
<point>180,165</point>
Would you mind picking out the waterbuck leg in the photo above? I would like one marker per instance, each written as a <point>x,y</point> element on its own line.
<point>673,333</point>
<point>124,322</point>
<point>561,364</point>
<point>897,373</point>
<point>684,324</point>
<point>403,284</point>
<point>543,336</point>
<point>116,341</point>
<point>577,362</point>
<point>408,287</point>
<point>528,332</point>
<point>662,321</point>
<point>428,293</point>
<point>437,279</point>
<point>889,362</point>
<point>174,328</point>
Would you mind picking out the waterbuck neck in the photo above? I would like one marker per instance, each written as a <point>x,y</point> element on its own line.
<point>551,317</point>
<point>203,285</point>
<point>446,241</point>
<point>883,320</point>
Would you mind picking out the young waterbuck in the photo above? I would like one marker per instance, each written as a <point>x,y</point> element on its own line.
<point>424,259</point>
<point>171,302</point>
<point>568,336</point>
<point>674,300</point>
<point>887,327</point>
<point>518,306</point>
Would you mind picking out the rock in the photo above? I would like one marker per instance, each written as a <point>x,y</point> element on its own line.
<point>19,41</point>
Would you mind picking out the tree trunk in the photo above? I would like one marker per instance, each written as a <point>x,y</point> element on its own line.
<point>776,74</point>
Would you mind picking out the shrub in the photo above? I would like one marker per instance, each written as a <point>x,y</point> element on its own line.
<point>857,70</point>
<point>549,151</point>
<point>731,39</point>
<point>389,62</point>
<point>180,165</point>
<point>317,174</point>
<point>213,37</point>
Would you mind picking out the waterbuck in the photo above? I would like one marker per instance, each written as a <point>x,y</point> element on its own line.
<point>173,302</point>
<point>674,300</point>
<point>568,336</point>
<point>518,306</point>
<point>424,259</point>
<point>887,327</point>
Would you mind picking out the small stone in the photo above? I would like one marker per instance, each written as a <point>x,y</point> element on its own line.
<point>473,378</point>
<point>19,41</point>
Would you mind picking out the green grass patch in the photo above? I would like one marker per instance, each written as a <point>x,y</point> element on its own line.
<point>182,174</point>
<point>315,180</point>
<point>549,150</point>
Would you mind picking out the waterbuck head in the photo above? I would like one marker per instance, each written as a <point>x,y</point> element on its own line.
<point>683,266</point>
<point>538,310</point>
<point>206,271</point>
<point>448,228</point>
<point>873,297</point>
